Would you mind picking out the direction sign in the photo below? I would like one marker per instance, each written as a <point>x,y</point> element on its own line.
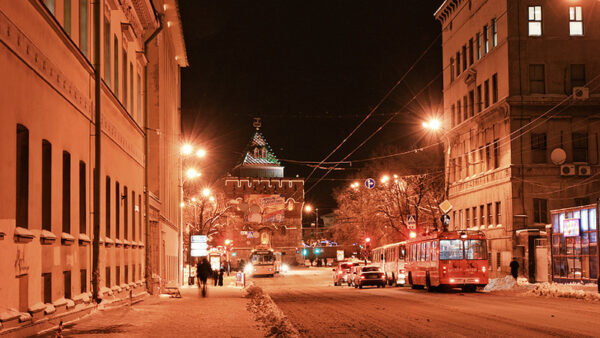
<point>411,222</point>
<point>445,206</point>
<point>370,183</point>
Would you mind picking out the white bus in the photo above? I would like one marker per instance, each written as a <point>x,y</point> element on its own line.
<point>392,259</point>
<point>261,263</point>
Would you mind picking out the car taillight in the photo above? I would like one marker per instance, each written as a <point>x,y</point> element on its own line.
<point>340,272</point>
<point>362,277</point>
<point>382,276</point>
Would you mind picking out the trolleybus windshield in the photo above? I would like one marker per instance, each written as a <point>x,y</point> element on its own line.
<point>263,258</point>
<point>475,249</point>
<point>451,249</point>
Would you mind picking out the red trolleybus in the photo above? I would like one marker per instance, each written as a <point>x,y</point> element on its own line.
<point>448,260</point>
<point>391,258</point>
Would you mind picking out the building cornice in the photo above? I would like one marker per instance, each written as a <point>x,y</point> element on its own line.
<point>447,9</point>
<point>175,28</point>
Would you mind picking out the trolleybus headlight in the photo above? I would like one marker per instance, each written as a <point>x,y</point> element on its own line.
<point>476,280</point>
<point>248,268</point>
<point>451,280</point>
<point>483,269</point>
<point>285,268</point>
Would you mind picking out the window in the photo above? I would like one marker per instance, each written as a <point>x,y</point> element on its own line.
<point>67,283</point>
<point>66,193</point>
<point>22,183</point>
<point>481,161</point>
<point>140,217</point>
<point>454,117</point>
<point>125,83</point>
<point>465,108</point>
<point>51,5</point>
<point>488,156</point>
<point>474,216</point>
<point>486,93</point>
<point>82,198</point>
<point>117,211</point>
<point>457,63</point>
<point>498,260</point>
<point>107,277</point>
<point>482,214</point>
<point>498,213</point>
<point>575,21</point>
<point>107,52</point>
<point>486,40</point>
<point>494,88</point>
<point>580,147</point>
<point>475,249</point>
<point>467,218</point>
<point>535,20</point>
<point>490,217</point>
<point>471,103</point>
<point>540,210</point>
<point>67,16</point>
<point>479,99</point>
<point>462,219</point>
<point>471,59</point>
<point>140,271</point>
<point>478,41</point>
<point>582,201</point>
<point>47,287</point>
<point>118,276</point>
<point>46,185</point>
<point>133,215</point>
<point>577,76</point>
<point>131,96</point>
<point>139,99</point>
<point>83,280</point>
<point>494,33</point>
<point>451,249</point>
<point>458,112</point>
<point>455,220</point>
<point>451,69</point>
<point>83,26</point>
<point>496,153</point>
<point>538,148</point>
<point>126,274</point>
<point>107,206</point>
<point>116,64</point>
<point>537,79</point>
<point>125,213</point>
<point>464,57</point>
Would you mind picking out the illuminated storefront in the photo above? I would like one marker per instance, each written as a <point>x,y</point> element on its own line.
<point>575,244</point>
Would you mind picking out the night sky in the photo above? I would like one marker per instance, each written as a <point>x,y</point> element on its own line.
<point>312,70</point>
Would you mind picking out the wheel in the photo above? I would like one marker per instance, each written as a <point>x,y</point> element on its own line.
<point>469,288</point>
<point>383,285</point>
<point>378,286</point>
<point>349,283</point>
<point>410,281</point>
<point>355,286</point>
<point>360,286</point>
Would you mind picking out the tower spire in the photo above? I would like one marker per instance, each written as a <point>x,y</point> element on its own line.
<point>257,123</point>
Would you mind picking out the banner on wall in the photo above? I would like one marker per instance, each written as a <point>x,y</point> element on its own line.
<point>264,208</point>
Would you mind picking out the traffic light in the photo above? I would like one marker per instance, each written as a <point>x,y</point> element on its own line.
<point>304,252</point>
<point>317,251</point>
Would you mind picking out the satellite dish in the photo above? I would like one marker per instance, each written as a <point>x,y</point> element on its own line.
<point>558,156</point>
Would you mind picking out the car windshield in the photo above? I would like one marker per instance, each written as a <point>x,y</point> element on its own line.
<point>370,269</point>
<point>451,249</point>
<point>475,249</point>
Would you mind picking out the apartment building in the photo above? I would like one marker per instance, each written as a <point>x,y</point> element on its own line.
<point>521,102</point>
<point>47,120</point>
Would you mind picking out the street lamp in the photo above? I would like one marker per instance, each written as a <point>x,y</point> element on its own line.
<point>187,149</point>
<point>192,173</point>
<point>206,192</point>
<point>201,153</point>
<point>308,208</point>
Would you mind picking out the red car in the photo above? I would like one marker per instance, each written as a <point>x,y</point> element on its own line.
<point>341,273</point>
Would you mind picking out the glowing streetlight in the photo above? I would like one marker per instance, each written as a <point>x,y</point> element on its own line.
<point>308,208</point>
<point>433,124</point>
<point>182,204</point>
<point>193,199</point>
<point>187,149</point>
<point>192,173</point>
<point>205,192</point>
<point>200,152</point>
<point>412,234</point>
<point>354,185</point>
<point>385,179</point>
<point>211,198</point>
<point>227,241</point>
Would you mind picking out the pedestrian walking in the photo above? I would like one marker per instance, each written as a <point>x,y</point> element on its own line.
<point>203,270</point>
<point>221,273</point>
<point>215,277</point>
<point>514,268</point>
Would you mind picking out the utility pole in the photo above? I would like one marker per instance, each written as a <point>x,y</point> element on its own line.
<point>97,158</point>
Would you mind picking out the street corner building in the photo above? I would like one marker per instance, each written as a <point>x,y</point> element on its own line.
<point>521,101</point>
<point>267,206</point>
<point>49,58</point>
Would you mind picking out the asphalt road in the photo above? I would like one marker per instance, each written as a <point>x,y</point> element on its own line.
<point>317,309</point>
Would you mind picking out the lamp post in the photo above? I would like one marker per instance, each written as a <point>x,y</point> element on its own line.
<point>435,126</point>
<point>308,208</point>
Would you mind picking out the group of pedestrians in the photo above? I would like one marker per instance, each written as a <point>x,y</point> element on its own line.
<point>204,270</point>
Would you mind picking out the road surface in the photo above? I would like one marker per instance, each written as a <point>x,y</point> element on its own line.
<point>317,308</point>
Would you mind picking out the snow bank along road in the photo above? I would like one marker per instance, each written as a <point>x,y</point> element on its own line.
<point>317,308</point>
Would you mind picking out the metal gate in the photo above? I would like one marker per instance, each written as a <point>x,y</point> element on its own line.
<point>541,260</point>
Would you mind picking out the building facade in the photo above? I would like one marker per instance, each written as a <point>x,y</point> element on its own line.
<point>48,119</point>
<point>521,103</point>
<point>266,206</point>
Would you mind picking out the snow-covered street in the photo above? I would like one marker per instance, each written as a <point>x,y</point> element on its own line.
<point>317,308</point>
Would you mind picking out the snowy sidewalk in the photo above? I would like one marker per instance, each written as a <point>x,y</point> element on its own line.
<point>223,313</point>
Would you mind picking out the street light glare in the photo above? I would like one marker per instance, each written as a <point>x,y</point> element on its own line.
<point>434,124</point>
<point>413,234</point>
<point>205,192</point>
<point>385,178</point>
<point>192,173</point>
<point>193,199</point>
<point>201,153</point>
<point>187,149</point>
<point>308,208</point>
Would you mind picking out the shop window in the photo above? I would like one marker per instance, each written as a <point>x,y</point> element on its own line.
<point>22,180</point>
<point>575,21</point>
<point>46,185</point>
<point>580,147</point>
<point>66,193</point>
<point>535,20</point>
<point>540,210</point>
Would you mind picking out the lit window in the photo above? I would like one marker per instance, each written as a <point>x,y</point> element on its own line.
<point>575,21</point>
<point>486,41</point>
<point>535,20</point>
<point>494,33</point>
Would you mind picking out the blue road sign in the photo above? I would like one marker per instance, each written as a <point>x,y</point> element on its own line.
<point>445,219</point>
<point>370,183</point>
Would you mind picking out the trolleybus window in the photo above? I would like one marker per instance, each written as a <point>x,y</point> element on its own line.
<point>451,249</point>
<point>475,249</point>
<point>259,258</point>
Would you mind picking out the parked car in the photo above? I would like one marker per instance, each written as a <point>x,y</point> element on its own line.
<point>341,272</point>
<point>369,275</point>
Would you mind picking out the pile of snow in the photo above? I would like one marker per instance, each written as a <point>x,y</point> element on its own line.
<point>564,291</point>
<point>500,284</point>
<point>267,312</point>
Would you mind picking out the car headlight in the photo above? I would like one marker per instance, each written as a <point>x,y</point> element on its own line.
<point>248,268</point>
<point>285,268</point>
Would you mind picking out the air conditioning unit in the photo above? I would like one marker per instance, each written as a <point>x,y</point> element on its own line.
<point>584,170</point>
<point>581,93</point>
<point>567,170</point>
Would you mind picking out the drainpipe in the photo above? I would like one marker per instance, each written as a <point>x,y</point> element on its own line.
<point>146,162</point>
<point>97,157</point>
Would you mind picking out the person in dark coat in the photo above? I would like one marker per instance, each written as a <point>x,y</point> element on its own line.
<point>514,268</point>
<point>203,270</point>
<point>221,273</point>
